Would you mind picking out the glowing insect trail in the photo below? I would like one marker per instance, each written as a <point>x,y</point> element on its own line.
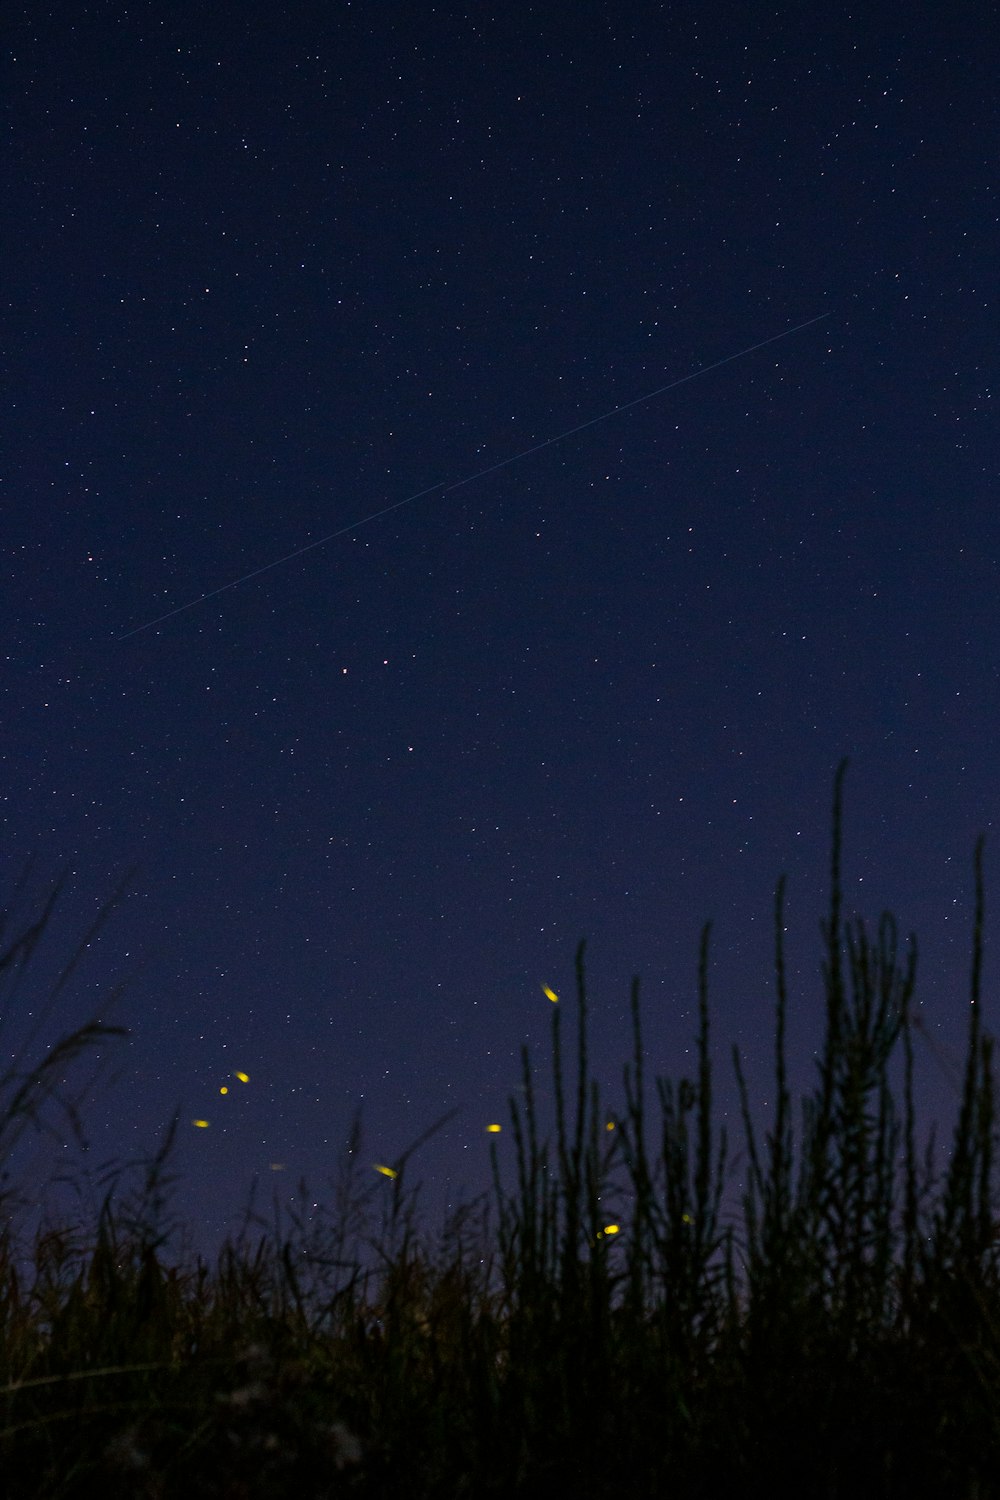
<point>447,489</point>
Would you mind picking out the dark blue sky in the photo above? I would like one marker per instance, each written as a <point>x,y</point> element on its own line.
<point>271,270</point>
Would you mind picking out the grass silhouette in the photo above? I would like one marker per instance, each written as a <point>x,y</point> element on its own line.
<point>592,1326</point>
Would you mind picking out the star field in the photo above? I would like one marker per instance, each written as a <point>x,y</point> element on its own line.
<point>278,282</point>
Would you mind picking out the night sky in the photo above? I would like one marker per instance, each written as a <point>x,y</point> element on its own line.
<point>360,287</point>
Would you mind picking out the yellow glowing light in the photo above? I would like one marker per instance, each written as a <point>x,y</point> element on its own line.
<point>386,1171</point>
<point>200,1124</point>
<point>611,1229</point>
<point>551,994</point>
<point>223,1090</point>
<point>686,1219</point>
<point>243,1077</point>
<point>610,1125</point>
<point>493,1129</point>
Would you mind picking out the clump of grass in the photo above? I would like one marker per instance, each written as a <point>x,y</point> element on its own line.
<point>32,1089</point>
<point>594,1324</point>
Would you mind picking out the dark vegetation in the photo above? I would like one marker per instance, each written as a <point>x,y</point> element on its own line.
<point>596,1328</point>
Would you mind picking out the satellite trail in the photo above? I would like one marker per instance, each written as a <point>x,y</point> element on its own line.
<point>444,488</point>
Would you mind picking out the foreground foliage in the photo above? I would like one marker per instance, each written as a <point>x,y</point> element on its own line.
<point>596,1328</point>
